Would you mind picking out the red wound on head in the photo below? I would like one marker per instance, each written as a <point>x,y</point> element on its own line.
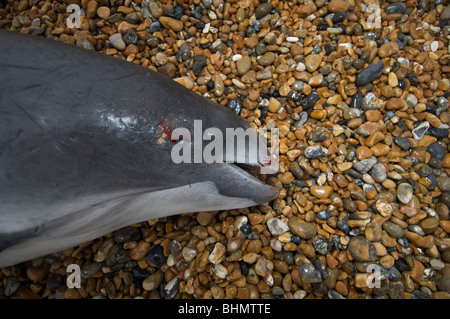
<point>167,129</point>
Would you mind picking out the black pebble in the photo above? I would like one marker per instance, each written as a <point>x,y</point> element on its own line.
<point>156,255</point>
<point>199,63</point>
<point>403,143</point>
<point>356,100</point>
<point>401,265</point>
<point>370,73</point>
<point>436,150</point>
<point>244,268</point>
<point>396,7</point>
<point>235,105</point>
<point>438,133</point>
<point>246,229</point>
<point>309,101</point>
<point>339,16</point>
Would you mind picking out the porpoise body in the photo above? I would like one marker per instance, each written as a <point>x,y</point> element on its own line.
<point>85,148</point>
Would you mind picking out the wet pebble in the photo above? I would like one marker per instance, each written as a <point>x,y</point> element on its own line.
<point>277,226</point>
<point>370,73</point>
<point>361,249</point>
<point>156,256</point>
<point>301,228</point>
<point>309,273</point>
<point>404,193</point>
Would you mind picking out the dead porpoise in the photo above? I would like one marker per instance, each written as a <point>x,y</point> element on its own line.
<point>85,148</point>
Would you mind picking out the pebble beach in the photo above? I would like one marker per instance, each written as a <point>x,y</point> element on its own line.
<point>359,93</point>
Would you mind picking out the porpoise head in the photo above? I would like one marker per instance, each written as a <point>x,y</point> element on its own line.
<point>86,147</point>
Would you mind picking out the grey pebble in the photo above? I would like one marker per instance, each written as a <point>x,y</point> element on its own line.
<point>316,152</point>
<point>365,165</point>
<point>420,131</point>
<point>404,193</point>
<point>370,73</point>
<point>379,172</point>
<point>309,273</point>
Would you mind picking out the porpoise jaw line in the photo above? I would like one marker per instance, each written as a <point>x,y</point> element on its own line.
<point>83,151</point>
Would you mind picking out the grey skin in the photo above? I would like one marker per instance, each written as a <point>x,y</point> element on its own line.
<point>85,148</point>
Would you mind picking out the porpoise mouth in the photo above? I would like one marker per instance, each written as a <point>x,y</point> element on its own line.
<point>265,191</point>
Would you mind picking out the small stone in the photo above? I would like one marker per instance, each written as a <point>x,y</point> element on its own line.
<point>156,255</point>
<point>189,253</point>
<point>396,7</point>
<point>267,59</point>
<point>274,105</point>
<point>316,80</point>
<point>171,24</point>
<point>321,246</point>
<point>312,62</point>
<point>393,229</point>
<point>388,49</point>
<point>365,165</point>
<point>131,37</point>
<point>264,74</point>
<point>411,100</point>
<point>420,131</point>
<point>373,232</point>
<point>436,150</point>
<point>338,5</point>
<point>370,73</point>
<point>198,64</point>
<point>361,249</point>
<point>186,81</point>
<point>262,10</point>
<point>243,65</point>
<point>139,251</point>
<point>309,274</point>
<point>218,254</point>
<point>154,27</point>
<point>379,172</point>
<point>168,69</point>
<point>403,142</point>
<point>310,100</point>
<point>104,12</point>
<point>445,15</point>
<point>443,183</point>
<point>320,191</point>
<point>155,10</point>
<point>36,274</point>
<point>316,152</point>
<point>153,281</point>
<point>404,193</point>
<point>395,103</point>
<point>117,41</point>
<point>276,226</point>
<point>384,207</point>
<point>11,285</point>
<point>429,225</point>
<point>393,80</point>
<point>301,228</point>
<point>444,282</point>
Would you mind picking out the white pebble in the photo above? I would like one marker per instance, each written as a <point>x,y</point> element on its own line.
<point>277,226</point>
<point>206,28</point>
<point>212,15</point>
<point>301,67</point>
<point>292,39</point>
<point>434,46</point>
<point>236,57</point>
<point>403,61</point>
